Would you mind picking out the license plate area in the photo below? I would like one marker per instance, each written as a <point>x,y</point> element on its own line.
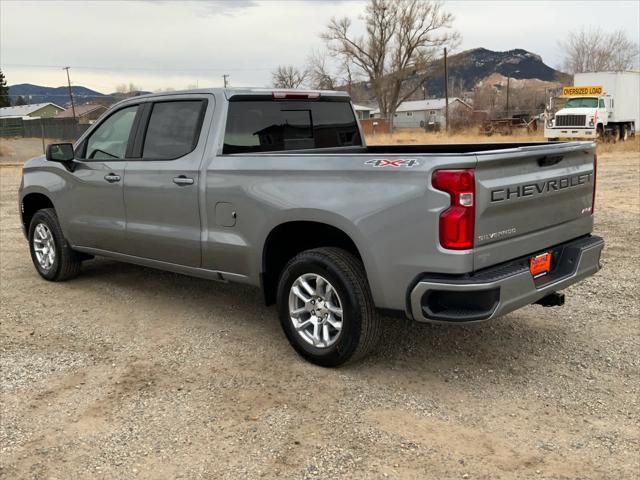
<point>540,265</point>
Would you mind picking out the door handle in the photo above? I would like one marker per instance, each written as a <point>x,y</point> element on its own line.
<point>183,180</point>
<point>112,178</point>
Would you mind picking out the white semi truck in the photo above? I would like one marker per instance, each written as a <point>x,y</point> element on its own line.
<point>600,105</point>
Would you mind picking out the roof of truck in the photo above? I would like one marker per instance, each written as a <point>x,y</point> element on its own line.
<point>231,92</point>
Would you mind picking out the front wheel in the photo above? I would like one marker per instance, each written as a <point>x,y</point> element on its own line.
<point>50,252</point>
<point>325,307</point>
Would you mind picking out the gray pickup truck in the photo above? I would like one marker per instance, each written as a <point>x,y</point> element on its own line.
<point>277,189</point>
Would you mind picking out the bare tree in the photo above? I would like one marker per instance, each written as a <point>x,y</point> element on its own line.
<point>593,50</point>
<point>326,74</point>
<point>402,39</point>
<point>125,89</point>
<point>320,73</point>
<point>288,76</point>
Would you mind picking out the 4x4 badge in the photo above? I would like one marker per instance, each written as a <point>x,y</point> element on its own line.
<point>397,163</point>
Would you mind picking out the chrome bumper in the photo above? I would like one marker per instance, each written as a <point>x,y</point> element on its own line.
<point>570,132</point>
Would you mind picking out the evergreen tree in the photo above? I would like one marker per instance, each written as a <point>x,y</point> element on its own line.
<point>4,92</point>
<point>20,100</point>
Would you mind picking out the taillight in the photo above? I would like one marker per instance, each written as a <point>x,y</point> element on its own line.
<point>457,221</point>
<point>595,173</point>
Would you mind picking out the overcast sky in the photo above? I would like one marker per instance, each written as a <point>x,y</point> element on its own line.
<point>158,45</point>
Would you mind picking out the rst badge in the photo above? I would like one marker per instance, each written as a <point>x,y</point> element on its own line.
<point>393,163</point>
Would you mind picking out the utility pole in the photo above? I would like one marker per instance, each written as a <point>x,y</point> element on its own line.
<point>508,78</point>
<point>446,93</point>
<point>73,107</point>
<point>224,77</point>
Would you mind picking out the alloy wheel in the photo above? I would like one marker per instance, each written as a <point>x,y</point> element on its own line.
<point>315,310</point>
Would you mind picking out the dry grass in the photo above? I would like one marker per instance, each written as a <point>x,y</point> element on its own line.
<point>631,145</point>
<point>418,136</point>
<point>5,149</point>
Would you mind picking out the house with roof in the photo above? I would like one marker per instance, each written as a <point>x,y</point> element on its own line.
<point>428,114</point>
<point>362,111</point>
<point>35,110</point>
<point>86,114</point>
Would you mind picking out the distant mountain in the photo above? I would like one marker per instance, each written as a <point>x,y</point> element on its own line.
<point>60,95</point>
<point>57,95</point>
<point>117,96</point>
<point>467,68</point>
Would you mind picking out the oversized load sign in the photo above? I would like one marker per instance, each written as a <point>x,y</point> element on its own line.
<point>579,91</point>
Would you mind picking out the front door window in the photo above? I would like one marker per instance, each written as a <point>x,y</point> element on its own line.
<point>110,139</point>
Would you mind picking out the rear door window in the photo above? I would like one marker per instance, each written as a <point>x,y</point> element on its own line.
<point>267,125</point>
<point>173,130</point>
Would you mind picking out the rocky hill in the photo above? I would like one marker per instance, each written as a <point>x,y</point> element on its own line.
<point>468,68</point>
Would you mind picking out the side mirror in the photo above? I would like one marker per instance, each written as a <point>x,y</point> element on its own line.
<point>60,152</point>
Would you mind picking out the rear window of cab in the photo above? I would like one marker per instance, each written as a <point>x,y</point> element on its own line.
<point>270,125</point>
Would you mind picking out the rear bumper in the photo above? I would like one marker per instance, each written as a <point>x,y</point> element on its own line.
<point>570,132</point>
<point>497,290</point>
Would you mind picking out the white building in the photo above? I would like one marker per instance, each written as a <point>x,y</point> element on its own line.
<point>427,114</point>
<point>34,110</point>
<point>363,112</point>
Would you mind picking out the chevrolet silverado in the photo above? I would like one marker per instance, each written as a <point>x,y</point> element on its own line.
<point>278,189</point>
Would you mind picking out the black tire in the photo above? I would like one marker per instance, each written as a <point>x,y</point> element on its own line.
<point>66,263</point>
<point>360,323</point>
<point>624,133</point>
<point>615,134</point>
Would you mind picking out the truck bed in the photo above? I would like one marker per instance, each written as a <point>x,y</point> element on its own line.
<point>416,149</point>
<point>450,147</point>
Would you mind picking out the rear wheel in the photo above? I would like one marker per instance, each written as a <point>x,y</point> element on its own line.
<point>50,252</point>
<point>615,134</point>
<point>624,133</point>
<point>325,307</point>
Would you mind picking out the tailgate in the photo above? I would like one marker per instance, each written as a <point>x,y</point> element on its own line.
<point>531,198</point>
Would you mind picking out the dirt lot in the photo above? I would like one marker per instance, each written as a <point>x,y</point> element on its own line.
<point>127,372</point>
<point>17,150</point>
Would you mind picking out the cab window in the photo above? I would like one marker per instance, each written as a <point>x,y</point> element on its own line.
<point>109,141</point>
<point>601,103</point>
<point>271,125</point>
<point>174,129</point>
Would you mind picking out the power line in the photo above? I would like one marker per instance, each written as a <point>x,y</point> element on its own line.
<point>127,68</point>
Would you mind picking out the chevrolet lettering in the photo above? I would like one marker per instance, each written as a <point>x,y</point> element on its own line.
<point>500,194</point>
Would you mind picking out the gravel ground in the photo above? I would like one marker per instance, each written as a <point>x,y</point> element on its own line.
<point>127,372</point>
<point>17,150</point>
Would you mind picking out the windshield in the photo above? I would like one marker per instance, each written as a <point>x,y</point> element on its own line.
<point>587,102</point>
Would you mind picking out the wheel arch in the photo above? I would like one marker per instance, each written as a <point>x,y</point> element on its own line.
<point>283,242</point>
<point>32,202</point>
